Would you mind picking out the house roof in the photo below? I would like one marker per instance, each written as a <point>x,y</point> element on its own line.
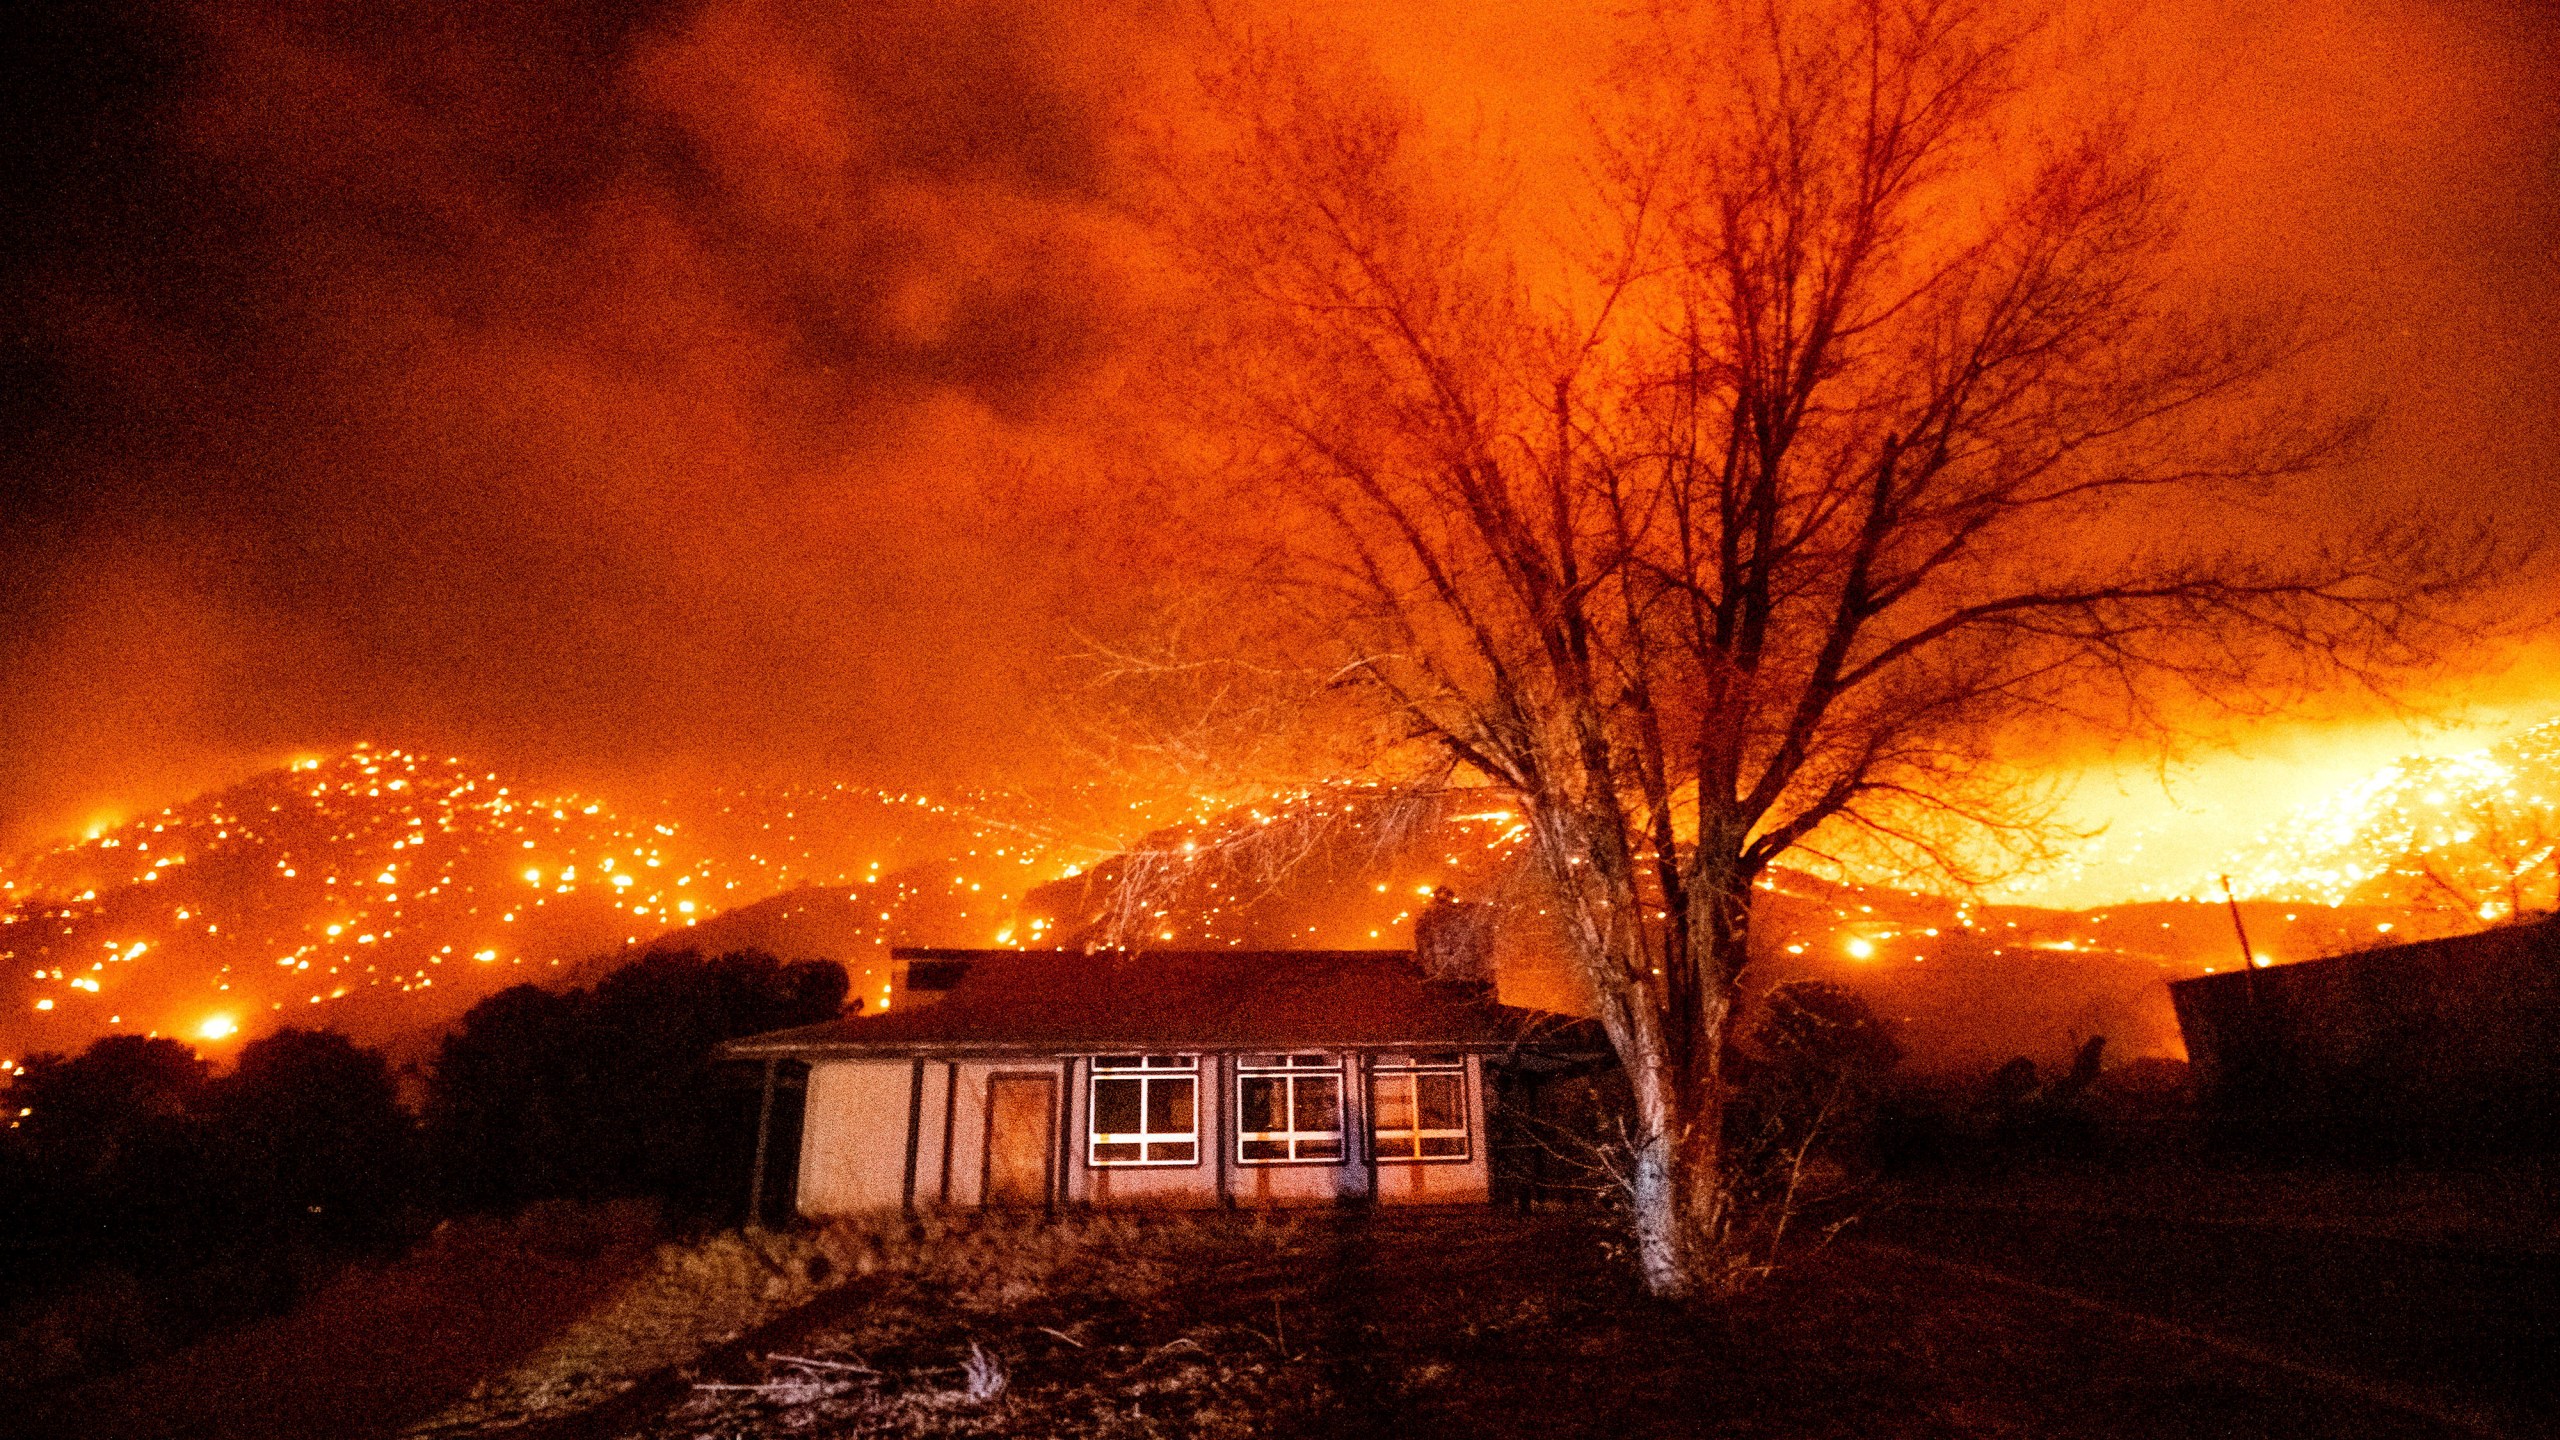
<point>1064,1002</point>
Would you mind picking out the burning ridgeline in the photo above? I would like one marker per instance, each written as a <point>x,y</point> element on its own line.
<point>2451,1043</point>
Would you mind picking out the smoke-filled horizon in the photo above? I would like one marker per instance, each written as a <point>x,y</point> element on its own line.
<point>624,391</point>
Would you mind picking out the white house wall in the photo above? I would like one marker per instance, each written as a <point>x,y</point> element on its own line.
<point>1448,1182</point>
<point>853,1146</point>
<point>854,1150</point>
<point>969,1125</point>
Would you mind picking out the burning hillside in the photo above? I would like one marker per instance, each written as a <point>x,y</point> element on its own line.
<point>381,891</point>
<point>1967,984</point>
<point>2462,838</point>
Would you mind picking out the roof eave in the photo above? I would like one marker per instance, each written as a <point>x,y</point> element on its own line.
<point>752,1049</point>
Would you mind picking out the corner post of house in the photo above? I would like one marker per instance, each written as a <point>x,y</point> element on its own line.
<point>1222,1105</point>
<point>915,1128</point>
<point>1537,1189</point>
<point>1369,1123</point>
<point>764,1143</point>
<point>1069,1109</point>
<point>950,1105</point>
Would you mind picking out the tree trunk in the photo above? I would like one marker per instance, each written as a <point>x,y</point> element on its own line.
<point>1699,1160</point>
<point>1677,1188</point>
<point>1655,1202</point>
<point>1669,1035</point>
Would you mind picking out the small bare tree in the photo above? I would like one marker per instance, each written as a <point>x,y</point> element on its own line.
<point>2497,860</point>
<point>1855,429</point>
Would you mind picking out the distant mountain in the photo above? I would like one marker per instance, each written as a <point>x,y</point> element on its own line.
<point>1967,985</point>
<point>2467,836</point>
<point>381,891</point>
<point>965,901</point>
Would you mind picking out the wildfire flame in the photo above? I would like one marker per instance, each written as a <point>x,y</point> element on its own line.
<point>2474,832</point>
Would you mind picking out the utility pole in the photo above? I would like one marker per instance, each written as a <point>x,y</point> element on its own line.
<point>2248,957</point>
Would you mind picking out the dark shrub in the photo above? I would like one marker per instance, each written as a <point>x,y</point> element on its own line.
<point>311,1133</point>
<point>1807,1083</point>
<point>611,1091</point>
<point>112,1153</point>
<point>500,1104</point>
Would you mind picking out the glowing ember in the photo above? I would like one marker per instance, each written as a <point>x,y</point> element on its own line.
<point>356,882</point>
<point>2474,834</point>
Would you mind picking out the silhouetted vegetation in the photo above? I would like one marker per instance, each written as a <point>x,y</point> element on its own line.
<point>610,1090</point>
<point>114,1150</point>
<point>314,1140</point>
<point>145,1199</point>
<point>1809,1082</point>
<point>2083,1115</point>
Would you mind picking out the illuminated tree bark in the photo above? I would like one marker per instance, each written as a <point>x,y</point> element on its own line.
<point>1852,427</point>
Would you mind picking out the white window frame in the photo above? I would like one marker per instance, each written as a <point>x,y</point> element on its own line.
<point>1287,1071</point>
<point>1398,1069</point>
<point>1148,1071</point>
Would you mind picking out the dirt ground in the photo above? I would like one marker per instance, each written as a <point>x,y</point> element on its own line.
<point>1415,1325</point>
<point>374,1345</point>
<point>1468,1324</point>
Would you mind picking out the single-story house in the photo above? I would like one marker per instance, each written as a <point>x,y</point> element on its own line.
<point>1040,1078</point>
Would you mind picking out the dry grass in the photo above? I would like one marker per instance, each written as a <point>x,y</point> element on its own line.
<point>1451,1325</point>
<point>938,1311</point>
<point>1095,1326</point>
<point>1222,1325</point>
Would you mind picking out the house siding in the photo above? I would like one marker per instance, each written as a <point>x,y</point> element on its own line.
<point>1447,1182</point>
<point>862,1115</point>
<point>969,1123</point>
<point>853,1146</point>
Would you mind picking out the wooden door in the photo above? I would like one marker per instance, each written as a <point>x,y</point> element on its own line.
<point>1022,1116</point>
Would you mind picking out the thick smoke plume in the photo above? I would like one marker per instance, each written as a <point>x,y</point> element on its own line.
<point>599,383</point>
<point>619,387</point>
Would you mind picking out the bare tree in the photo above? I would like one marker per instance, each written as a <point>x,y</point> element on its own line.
<point>1851,432</point>
<point>2496,857</point>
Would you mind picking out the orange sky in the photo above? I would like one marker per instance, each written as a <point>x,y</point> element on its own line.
<point>615,389</point>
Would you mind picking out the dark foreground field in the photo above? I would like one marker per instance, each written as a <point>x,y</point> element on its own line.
<point>1451,1324</point>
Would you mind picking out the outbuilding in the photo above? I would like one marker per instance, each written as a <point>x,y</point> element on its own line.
<point>2448,1043</point>
<point>1041,1078</point>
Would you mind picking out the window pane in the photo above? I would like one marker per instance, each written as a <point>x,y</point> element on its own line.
<point>1317,1062</point>
<point>1444,1146</point>
<point>1265,1150</point>
<point>1183,1151</point>
<point>1115,1062</point>
<point>1396,1147</point>
<point>1444,1101</point>
<point>1108,1154</point>
<point>1319,1103</point>
<point>1261,1105</point>
<point>1395,1102</point>
<point>1168,1062</point>
<point>1169,1105</point>
<point>1320,1149</point>
<point>1115,1107</point>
